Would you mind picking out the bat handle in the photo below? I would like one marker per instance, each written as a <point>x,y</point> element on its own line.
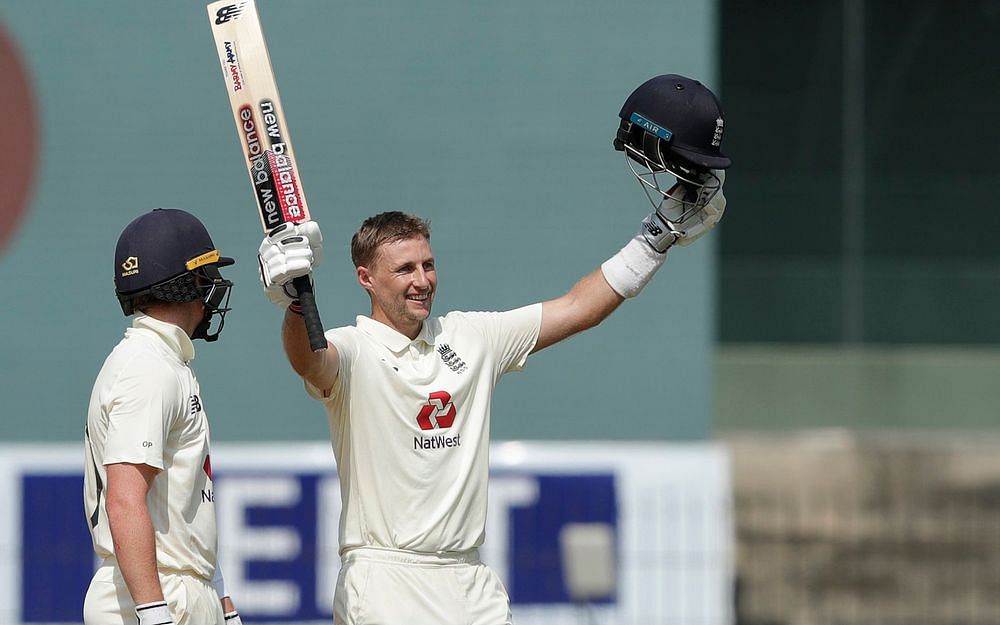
<point>310,314</point>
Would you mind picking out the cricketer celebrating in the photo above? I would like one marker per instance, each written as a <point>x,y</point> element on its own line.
<point>148,474</point>
<point>408,395</point>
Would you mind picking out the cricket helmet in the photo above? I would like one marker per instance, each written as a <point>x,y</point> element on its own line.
<point>673,116</point>
<point>168,255</point>
<point>674,125</point>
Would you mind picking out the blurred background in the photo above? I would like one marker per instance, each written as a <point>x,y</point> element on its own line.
<point>812,389</point>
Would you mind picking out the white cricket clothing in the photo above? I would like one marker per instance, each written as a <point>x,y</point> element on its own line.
<point>410,423</point>
<point>396,587</point>
<point>190,599</point>
<point>146,409</point>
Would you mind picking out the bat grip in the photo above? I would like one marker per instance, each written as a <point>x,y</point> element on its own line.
<point>310,314</point>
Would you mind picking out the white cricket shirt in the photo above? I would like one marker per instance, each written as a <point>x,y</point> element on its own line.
<point>410,424</point>
<point>146,409</point>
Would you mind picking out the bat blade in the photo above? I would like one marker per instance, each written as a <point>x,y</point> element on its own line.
<point>260,124</point>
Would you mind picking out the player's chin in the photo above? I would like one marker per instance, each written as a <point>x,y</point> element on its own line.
<point>420,308</point>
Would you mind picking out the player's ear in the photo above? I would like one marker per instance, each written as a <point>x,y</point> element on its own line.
<point>365,278</point>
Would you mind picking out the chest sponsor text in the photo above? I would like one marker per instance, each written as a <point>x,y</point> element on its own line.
<point>436,442</point>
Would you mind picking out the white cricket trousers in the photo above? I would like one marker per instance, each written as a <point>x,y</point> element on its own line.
<point>390,587</point>
<point>192,600</point>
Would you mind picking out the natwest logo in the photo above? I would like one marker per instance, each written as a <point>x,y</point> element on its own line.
<point>438,412</point>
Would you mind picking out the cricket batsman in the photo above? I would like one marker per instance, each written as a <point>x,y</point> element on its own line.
<point>408,395</point>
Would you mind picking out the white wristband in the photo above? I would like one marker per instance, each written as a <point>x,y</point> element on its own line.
<point>628,271</point>
<point>155,613</point>
<point>218,582</point>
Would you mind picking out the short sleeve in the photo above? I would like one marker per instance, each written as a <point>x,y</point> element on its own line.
<point>346,344</point>
<point>141,407</point>
<point>511,335</point>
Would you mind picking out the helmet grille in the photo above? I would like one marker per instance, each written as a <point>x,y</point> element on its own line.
<point>183,288</point>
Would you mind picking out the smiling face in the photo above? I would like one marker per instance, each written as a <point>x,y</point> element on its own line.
<point>401,281</point>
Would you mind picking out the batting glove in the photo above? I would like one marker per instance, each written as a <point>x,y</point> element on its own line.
<point>155,613</point>
<point>288,252</point>
<point>233,618</point>
<point>668,225</point>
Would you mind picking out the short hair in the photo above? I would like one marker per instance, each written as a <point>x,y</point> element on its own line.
<point>383,228</point>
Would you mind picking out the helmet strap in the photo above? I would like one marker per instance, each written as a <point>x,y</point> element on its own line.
<point>202,330</point>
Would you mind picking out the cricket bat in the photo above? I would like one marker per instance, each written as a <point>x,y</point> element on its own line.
<point>260,123</point>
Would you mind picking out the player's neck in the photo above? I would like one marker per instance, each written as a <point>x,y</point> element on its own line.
<point>185,316</point>
<point>409,330</point>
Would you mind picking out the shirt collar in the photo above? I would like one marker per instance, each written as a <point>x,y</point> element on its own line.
<point>176,339</point>
<point>394,340</point>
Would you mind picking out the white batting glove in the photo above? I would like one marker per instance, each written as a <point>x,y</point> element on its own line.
<point>155,613</point>
<point>288,252</point>
<point>659,232</point>
<point>233,618</point>
<point>705,219</point>
<point>668,225</point>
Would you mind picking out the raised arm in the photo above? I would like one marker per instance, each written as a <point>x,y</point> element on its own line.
<point>589,302</point>
<point>288,252</point>
<point>318,368</point>
<point>624,275</point>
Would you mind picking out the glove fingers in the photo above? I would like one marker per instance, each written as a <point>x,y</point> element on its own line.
<point>288,252</point>
<point>668,225</point>
<point>305,235</point>
<point>268,251</point>
<point>294,268</point>
<point>671,209</point>
<point>298,252</point>
<point>718,203</point>
<point>310,229</point>
<point>281,269</point>
<point>286,270</point>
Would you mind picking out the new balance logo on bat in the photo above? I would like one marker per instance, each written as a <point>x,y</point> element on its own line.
<point>270,118</point>
<point>229,12</point>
